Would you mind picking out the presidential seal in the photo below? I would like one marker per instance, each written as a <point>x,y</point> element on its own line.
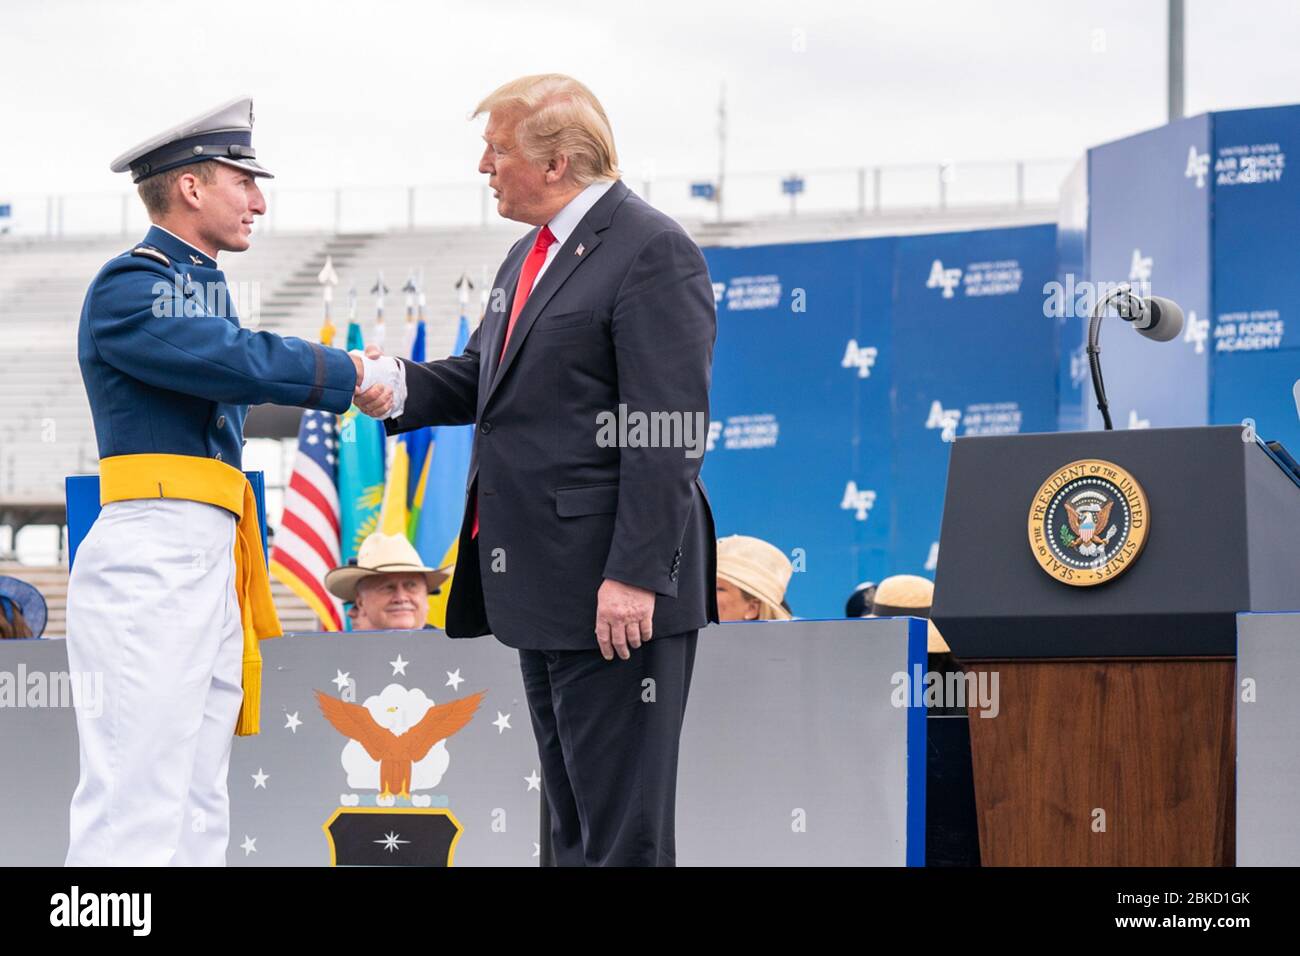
<point>1088,522</point>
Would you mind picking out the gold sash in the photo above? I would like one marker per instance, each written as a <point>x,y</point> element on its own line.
<point>189,478</point>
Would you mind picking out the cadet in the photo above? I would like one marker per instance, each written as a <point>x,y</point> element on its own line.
<point>169,594</point>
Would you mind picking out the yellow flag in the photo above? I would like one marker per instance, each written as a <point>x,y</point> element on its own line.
<point>392,518</point>
<point>438,602</point>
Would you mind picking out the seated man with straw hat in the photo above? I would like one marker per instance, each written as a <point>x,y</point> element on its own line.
<point>388,583</point>
<point>752,578</point>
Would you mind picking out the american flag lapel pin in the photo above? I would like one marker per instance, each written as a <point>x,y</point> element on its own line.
<point>579,251</point>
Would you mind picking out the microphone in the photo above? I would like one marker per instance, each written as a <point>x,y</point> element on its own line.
<point>1154,316</point>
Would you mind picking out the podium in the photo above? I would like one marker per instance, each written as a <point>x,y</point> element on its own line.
<point>1114,740</point>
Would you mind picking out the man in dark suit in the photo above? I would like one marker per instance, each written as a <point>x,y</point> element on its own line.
<point>587,541</point>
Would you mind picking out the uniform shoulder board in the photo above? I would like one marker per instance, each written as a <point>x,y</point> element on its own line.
<point>149,252</point>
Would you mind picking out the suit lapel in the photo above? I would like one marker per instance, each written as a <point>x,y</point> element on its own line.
<point>495,332</point>
<point>566,262</point>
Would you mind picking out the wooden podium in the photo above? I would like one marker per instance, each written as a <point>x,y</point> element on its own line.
<point>1114,738</point>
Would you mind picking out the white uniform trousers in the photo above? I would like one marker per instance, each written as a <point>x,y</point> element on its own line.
<point>152,607</point>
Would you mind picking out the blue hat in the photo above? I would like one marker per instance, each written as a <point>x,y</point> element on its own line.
<point>28,600</point>
<point>223,134</point>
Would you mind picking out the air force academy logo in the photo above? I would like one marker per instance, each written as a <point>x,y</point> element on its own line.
<point>941,278</point>
<point>1140,267</point>
<point>861,357</point>
<point>1198,166</point>
<point>859,502</point>
<point>944,419</point>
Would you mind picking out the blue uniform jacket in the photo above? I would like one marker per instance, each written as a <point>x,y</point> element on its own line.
<point>167,368</point>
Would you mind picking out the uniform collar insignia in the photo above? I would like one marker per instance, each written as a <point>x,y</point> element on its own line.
<point>177,248</point>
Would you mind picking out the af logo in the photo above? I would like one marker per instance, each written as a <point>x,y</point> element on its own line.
<point>944,419</point>
<point>719,290</point>
<point>1198,164</point>
<point>715,429</point>
<point>1197,331</point>
<point>1139,269</point>
<point>941,278</point>
<point>1135,422</point>
<point>859,502</point>
<point>1088,522</point>
<point>860,357</point>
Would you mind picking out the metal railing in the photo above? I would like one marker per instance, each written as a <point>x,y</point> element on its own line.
<point>850,190</point>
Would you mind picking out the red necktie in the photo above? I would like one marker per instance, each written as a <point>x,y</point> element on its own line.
<point>532,265</point>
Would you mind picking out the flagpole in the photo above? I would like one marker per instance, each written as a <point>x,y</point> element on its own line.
<point>328,279</point>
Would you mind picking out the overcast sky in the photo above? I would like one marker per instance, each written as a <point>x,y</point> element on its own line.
<point>379,92</point>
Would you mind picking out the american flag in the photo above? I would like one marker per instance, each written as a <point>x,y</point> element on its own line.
<point>307,541</point>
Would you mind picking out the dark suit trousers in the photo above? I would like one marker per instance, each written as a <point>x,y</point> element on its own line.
<point>607,735</point>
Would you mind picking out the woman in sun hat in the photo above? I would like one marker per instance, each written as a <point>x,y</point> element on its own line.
<point>22,610</point>
<point>752,578</point>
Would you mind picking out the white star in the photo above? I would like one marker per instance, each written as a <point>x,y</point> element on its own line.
<point>259,779</point>
<point>341,681</point>
<point>502,723</point>
<point>250,845</point>
<point>292,722</point>
<point>312,439</point>
<point>327,428</point>
<point>534,782</point>
<point>329,443</point>
<point>311,422</point>
<point>454,680</point>
<point>391,840</point>
<point>330,459</point>
<point>399,666</point>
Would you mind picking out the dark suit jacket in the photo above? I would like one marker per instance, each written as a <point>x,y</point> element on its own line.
<point>630,321</point>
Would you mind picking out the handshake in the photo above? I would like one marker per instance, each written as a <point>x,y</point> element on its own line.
<point>381,383</point>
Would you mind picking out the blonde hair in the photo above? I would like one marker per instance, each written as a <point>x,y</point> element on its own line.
<point>558,117</point>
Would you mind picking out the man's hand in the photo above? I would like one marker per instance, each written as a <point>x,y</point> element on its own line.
<point>377,400</point>
<point>624,616</point>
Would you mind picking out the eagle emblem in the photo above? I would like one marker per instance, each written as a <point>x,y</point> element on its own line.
<point>1086,524</point>
<point>399,740</point>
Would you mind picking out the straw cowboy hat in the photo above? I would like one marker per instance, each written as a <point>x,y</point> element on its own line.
<point>909,595</point>
<point>20,602</point>
<point>758,569</point>
<point>382,554</point>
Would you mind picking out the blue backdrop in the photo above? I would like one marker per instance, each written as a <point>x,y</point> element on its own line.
<point>844,369</point>
<point>842,373</point>
<point>1253,346</point>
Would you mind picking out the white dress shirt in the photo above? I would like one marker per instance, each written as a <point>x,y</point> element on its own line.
<point>391,372</point>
